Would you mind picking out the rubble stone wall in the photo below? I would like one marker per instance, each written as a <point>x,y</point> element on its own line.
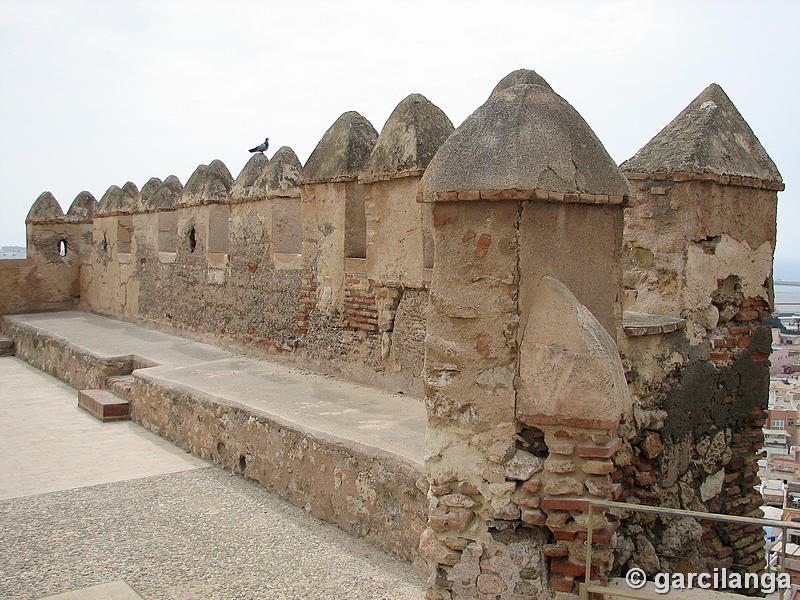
<point>367,494</point>
<point>698,247</point>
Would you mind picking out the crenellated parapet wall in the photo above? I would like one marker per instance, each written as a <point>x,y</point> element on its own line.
<point>582,331</point>
<point>326,265</point>
<point>58,246</point>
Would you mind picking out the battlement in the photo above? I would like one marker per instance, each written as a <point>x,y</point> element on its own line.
<point>488,269</point>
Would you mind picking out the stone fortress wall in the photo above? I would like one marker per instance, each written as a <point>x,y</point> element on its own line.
<point>326,265</point>
<point>578,330</point>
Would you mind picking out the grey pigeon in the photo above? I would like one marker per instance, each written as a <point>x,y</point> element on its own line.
<point>261,147</point>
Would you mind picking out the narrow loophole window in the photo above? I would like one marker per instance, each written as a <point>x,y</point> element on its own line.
<point>62,248</point>
<point>192,240</point>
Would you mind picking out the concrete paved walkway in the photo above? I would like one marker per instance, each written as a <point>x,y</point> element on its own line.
<point>332,408</point>
<point>164,523</point>
<point>47,443</point>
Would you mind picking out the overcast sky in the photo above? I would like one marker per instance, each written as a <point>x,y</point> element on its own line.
<point>95,94</point>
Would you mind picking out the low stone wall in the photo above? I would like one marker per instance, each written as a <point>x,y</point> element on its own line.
<point>63,360</point>
<point>366,492</point>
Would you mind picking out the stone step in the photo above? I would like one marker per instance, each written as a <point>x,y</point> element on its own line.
<point>119,385</point>
<point>6,346</point>
<point>104,405</point>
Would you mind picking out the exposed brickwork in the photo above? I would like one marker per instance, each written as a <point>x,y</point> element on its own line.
<point>308,301</point>
<point>360,311</point>
<point>536,195</point>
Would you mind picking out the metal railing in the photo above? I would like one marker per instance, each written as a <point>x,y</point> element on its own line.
<point>587,587</point>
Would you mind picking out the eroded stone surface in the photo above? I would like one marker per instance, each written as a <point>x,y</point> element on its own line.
<point>83,207</point>
<point>708,136</point>
<point>569,365</point>
<point>524,137</point>
<point>118,200</point>
<point>45,208</point>
<point>208,183</point>
<point>411,136</point>
<point>525,76</point>
<point>343,150</point>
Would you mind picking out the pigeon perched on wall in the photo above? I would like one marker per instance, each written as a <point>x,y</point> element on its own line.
<point>261,147</point>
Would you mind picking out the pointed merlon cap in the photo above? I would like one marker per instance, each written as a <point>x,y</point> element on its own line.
<point>147,192</point>
<point>413,133</point>
<point>82,208</point>
<point>519,76</point>
<point>118,201</point>
<point>45,208</point>
<point>167,194</point>
<point>281,178</point>
<point>525,143</point>
<point>160,195</point>
<point>208,184</point>
<point>708,136</point>
<point>250,173</point>
<point>342,152</point>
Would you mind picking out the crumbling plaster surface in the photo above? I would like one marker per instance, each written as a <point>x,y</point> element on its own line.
<point>322,210</point>
<point>679,243</point>
<point>556,238</point>
<point>395,232</point>
<point>701,250</point>
<point>111,285</point>
<point>704,271</point>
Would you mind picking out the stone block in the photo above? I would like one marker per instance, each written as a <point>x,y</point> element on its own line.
<point>523,465</point>
<point>562,335</point>
<point>458,501</point>
<point>534,516</point>
<point>562,465</point>
<point>555,550</point>
<point>490,584</point>
<point>563,486</point>
<point>441,519</point>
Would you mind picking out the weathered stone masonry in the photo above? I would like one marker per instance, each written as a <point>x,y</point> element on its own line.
<point>578,330</point>
<point>524,386</point>
<point>699,240</point>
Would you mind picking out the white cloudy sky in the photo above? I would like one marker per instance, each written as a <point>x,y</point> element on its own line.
<point>95,94</point>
